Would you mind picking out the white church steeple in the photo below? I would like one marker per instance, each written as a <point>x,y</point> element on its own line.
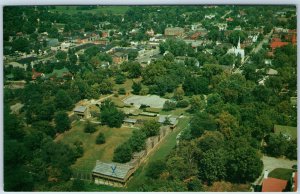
<point>239,44</point>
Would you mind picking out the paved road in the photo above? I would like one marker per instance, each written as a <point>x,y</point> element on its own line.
<point>226,14</point>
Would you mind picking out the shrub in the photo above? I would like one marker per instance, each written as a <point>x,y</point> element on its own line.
<point>182,104</point>
<point>100,139</point>
<point>169,106</point>
<point>89,127</point>
<point>122,91</point>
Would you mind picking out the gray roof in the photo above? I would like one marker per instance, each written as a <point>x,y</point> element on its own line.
<point>53,42</point>
<point>129,120</point>
<point>162,118</point>
<point>80,109</point>
<point>120,172</point>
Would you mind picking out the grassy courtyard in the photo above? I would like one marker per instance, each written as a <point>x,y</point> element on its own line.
<point>92,151</point>
<point>281,173</point>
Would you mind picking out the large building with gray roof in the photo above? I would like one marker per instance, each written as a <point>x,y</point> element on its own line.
<point>113,174</point>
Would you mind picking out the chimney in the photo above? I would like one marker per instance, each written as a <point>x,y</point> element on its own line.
<point>266,173</point>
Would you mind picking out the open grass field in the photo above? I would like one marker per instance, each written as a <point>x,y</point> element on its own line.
<point>281,173</point>
<point>161,153</point>
<point>176,112</point>
<point>126,85</point>
<point>92,151</point>
<point>99,9</point>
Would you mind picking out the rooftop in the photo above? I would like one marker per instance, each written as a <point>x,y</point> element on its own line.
<point>162,119</point>
<point>273,185</point>
<point>80,109</point>
<point>120,171</point>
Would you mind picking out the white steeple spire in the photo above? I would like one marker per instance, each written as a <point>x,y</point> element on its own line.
<point>239,43</point>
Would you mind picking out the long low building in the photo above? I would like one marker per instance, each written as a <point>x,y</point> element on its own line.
<point>113,174</point>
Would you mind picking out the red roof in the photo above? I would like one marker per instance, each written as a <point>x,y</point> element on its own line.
<point>275,45</point>
<point>273,185</point>
<point>36,74</point>
<point>229,19</point>
<point>276,40</point>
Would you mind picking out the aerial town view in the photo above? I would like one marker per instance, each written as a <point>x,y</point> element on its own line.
<point>150,98</point>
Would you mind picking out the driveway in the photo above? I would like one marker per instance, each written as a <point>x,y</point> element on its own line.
<point>271,163</point>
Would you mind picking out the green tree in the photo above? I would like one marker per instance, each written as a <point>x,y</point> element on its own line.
<point>63,100</point>
<point>61,55</point>
<point>123,153</point>
<point>178,93</point>
<point>120,79</point>
<point>182,104</point>
<point>110,115</point>
<point>169,105</point>
<point>78,185</point>
<point>136,87</point>
<point>244,165</point>
<point>276,145</point>
<point>62,121</point>
<point>150,128</point>
<point>155,169</point>
<point>212,165</point>
<point>89,127</point>
<point>200,122</point>
<point>197,104</point>
<point>100,138</point>
<point>122,91</point>
<point>137,140</point>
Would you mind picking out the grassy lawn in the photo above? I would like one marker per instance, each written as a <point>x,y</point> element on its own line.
<point>281,173</point>
<point>100,9</point>
<point>286,130</point>
<point>92,151</point>
<point>126,85</point>
<point>176,112</point>
<point>117,102</point>
<point>163,150</point>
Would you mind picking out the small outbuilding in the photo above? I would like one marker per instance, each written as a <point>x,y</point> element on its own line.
<point>164,118</point>
<point>82,111</point>
<point>113,174</point>
<point>130,122</point>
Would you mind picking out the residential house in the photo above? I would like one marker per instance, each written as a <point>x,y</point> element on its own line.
<point>210,16</point>
<point>150,32</point>
<point>229,19</point>
<point>273,185</point>
<point>82,111</point>
<point>129,122</point>
<point>119,57</point>
<point>36,74</point>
